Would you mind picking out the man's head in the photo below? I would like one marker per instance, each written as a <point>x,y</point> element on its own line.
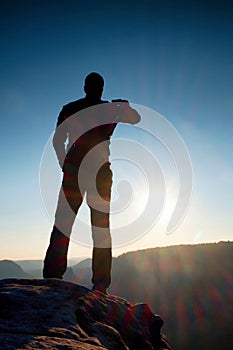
<point>94,85</point>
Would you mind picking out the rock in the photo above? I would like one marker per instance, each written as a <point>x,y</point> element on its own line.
<point>53,314</point>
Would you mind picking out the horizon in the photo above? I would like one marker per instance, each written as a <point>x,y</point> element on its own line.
<point>173,58</point>
<point>82,258</point>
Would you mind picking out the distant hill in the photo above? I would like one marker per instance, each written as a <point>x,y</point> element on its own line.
<point>34,267</point>
<point>82,264</point>
<point>74,261</point>
<point>30,268</point>
<point>30,265</point>
<point>81,273</point>
<point>190,285</point>
<point>9,269</point>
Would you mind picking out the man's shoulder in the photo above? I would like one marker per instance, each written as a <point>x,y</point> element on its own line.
<point>72,108</point>
<point>77,103</point>
<point>80,104</point>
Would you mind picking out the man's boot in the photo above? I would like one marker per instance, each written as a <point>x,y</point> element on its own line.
<point>101,268</point>
<point>55,262</point>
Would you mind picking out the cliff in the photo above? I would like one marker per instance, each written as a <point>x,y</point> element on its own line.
<point>53,314</point>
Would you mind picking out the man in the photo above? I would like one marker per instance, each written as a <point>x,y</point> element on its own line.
<point>88,143</point>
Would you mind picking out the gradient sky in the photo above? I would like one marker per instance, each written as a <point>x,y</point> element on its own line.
<point>175,57</point>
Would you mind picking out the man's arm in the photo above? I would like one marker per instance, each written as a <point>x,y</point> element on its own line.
<point>59,138</point>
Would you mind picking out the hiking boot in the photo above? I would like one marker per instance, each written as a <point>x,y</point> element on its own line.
<point>100,288</point>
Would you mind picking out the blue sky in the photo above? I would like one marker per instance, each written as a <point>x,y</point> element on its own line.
<point>172,56</point>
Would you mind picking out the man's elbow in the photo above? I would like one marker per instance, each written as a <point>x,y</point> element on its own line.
<point>136,118</point>
<point>55,140</point>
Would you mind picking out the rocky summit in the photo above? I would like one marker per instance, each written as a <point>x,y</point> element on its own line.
<point>53,314</point>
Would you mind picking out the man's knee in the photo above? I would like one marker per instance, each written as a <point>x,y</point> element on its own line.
<point>101,237</point>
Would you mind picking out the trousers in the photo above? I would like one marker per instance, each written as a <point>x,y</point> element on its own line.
<point>71,195</point>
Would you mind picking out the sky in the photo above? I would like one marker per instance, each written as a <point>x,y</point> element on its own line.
<point>174,57</point>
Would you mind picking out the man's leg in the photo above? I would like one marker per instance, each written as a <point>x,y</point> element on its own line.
<point>55,262</point>
<point>101,268</point>
<point>102,250</point>
<point>69,201</point>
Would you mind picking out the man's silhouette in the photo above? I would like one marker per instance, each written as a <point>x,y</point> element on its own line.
<point>70,158</point>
